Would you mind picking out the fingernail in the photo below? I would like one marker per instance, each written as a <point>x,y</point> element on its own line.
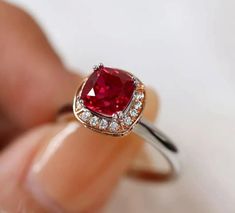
<point>76,169</point>
<point>51,165</point>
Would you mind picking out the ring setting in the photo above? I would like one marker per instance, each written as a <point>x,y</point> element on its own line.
<point>110,101</point>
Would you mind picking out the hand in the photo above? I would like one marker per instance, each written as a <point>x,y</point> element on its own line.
<point>47,166</point>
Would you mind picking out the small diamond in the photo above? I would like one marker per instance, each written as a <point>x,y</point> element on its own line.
<point>137,82</point>
<point>85,115</point>
<point>133,112</point>
<point>138,105</point>
<point>79,104</point>
<point>94,121</point>
<point>114,126</point>
<point>139,95</point>
<point>120,114</point>
<point>103,124</point>
<point>115,116</point>
<point>127,120</point>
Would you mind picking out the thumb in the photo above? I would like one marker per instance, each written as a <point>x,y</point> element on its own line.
<point>64,167</point>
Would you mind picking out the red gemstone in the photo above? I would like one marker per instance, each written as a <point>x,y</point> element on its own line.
<point>108,91</point>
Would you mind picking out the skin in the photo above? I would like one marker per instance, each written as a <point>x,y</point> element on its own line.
<point>48,166</point>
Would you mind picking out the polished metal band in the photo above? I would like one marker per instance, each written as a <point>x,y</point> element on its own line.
<point>164,145</point>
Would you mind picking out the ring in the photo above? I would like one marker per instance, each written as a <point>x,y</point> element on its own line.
<point>111,101</point>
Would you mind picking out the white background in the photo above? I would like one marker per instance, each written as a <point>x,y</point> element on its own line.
<point>186,51</point>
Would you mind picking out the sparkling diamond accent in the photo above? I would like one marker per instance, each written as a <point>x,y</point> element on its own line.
<point>79,104</point>
<point>137,82</point>
<point>114,126</point>
<point>139,95</point>
<point>127,121</point>
<point>85,115</point>
<point>138,105</point>
<point>115,116</point>
<point>120,114</point>
<point>94,121</point>
<point>133,112</point>
<point>103,124</point>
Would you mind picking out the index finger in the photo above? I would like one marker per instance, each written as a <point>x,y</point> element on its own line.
<point>34,83</point>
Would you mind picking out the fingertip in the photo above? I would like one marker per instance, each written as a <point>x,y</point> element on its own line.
<point>152,104</point>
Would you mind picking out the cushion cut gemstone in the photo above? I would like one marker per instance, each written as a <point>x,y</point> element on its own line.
<point>108,91</point>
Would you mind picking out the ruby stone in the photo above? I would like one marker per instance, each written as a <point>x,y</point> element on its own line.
<point>108,91</point>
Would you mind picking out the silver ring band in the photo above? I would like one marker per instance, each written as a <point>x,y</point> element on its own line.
<point>158,140</point>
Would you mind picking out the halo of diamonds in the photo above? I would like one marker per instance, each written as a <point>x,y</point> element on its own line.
<point>121,123</point>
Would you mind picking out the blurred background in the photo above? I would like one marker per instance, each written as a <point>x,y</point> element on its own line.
<point>186,51</point>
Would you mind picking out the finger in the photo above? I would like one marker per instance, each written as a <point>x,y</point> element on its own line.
<point>33,80</point>
<point>65,167</point>
<point>6,131</point>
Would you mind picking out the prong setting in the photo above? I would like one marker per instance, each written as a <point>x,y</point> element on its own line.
<point>121,122</point>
